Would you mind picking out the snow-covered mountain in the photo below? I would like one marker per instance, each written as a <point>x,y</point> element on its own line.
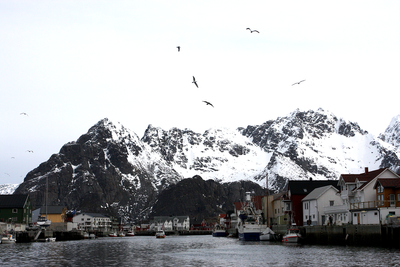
<point>8,189</point>
<point>392,133</point>
<point>110,170</point>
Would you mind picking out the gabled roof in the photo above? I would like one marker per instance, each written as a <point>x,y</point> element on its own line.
<point>318,192</point>
<point>52,209</point>
<point>365,176</point>
<point>97,215</point>
<point>13,201</point>
<point>305,187</point>
<point>388,183</point>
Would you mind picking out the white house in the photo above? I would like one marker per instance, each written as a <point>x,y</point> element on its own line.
<point>315,202</point>
<point>92,222</point>
<point>172,223</point>
<point>359,198</point>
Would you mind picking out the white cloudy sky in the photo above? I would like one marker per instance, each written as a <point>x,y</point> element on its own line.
<point>69,64</point>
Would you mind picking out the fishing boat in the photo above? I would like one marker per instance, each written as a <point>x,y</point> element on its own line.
<point>8,239</point>
<point>51,239</point>
<point>130,233</point>
<point>160,234</point>
<point>292,236</point>
<point>250,224</point>
<point>219,231</point>
<point>44,221</point>
<point>114,234</point>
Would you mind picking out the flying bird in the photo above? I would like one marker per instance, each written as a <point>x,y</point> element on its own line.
<point>208,103</point>
<point>23,113</point>
<point>30,151</point>
<point>251,31</point>
<point>6,174</point>
<point>194,81</point>
<point>13,157</point>
<point>298,82</point>
<point>179,48</point>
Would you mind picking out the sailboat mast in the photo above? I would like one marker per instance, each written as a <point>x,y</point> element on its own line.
<point>266,181</point>
<point>47,191</point>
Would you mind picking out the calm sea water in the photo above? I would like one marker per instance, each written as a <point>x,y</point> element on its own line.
<point>190,251</point>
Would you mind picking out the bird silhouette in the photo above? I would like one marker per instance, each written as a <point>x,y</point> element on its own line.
<point>208,103</point>
<point>194,81</point>
<point>251,31</point>
<point>7,174</point>
<point>30,151</point>
<point>298,82</point>
<point>179,48</point>
<point>23,113</point>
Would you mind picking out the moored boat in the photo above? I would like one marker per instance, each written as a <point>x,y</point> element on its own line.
<point>292,236</point>
<point>160,234</point>
<point>250,224</point>
<point>112,234</point>
<point>219,233</point>
<point>130,233</point>
<point>8,239</point>
<point>268,235</point>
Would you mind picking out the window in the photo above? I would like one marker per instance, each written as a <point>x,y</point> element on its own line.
<point>398,197</point>
<point>331,202</point>
<point>306,205</point>
<point>380,200</point>
<point>392,200</point>
<point>380,188</point>
<point>14,210</point>
<point>313,216</point>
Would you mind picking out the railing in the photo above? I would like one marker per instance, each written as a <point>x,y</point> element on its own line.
<point>375,204</point>
<point>335,209</point>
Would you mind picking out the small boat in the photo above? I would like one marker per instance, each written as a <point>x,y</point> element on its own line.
<point>92,236</point>
<point>43,221</point>
<point>219,232</point>
<point>8,239</point>
<point>130,233</point>
<point>160,234</point>
<point>51,239</point>
<point>113,235</point>
<point>85,235</point>
<point>268,235</point>
<point>292,236</point>
<point>121,234</point>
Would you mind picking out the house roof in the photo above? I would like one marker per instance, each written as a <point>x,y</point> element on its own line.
<point>388,183</point>
<point>305,187</point>
<point>169,218</point>
<point>52,209</point>
<point>91,214</point>
<point>365,176</point>
<point>318,192</point>
<point>13,201</point>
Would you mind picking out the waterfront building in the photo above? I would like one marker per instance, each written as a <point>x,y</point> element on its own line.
<point>15,212</point>
<point>93,222</point>
<point>388,199</point>
<point>315,202</point>
<point>172,223</point>
<point>297,190</point>
<point>360,199</point>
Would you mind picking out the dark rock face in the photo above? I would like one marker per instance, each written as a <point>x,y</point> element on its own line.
<point>201,199</point>
<point>94,174</point>
<point>111,171</point>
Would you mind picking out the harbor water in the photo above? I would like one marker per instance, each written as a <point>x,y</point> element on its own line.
<point>190,251</point>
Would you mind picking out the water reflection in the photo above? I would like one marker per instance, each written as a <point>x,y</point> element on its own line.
<point>190,251</point>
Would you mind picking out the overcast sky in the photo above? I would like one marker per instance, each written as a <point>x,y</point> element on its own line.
<point>69,64</point>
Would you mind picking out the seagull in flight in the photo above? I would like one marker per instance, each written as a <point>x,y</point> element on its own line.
<point>194,81</point>
<point>179,48</point>
<point>208,103</point>
<point>23,113</point>
<point>298,82</point>
<point>251,31</point>
<point>30,151</point>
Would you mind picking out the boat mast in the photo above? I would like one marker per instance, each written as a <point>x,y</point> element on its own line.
<point>266,181</point>
<point>47,191</point>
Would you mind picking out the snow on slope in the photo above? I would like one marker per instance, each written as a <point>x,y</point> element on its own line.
<point>8,189</point>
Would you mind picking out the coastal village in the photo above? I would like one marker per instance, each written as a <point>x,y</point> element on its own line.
<point>355,208</point>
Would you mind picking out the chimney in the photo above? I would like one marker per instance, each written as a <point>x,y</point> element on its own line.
<point>366,170</point>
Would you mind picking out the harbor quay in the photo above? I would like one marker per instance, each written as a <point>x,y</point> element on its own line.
<point>353,235</point>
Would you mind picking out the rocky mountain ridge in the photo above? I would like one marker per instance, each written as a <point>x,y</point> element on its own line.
<point>110,170</point>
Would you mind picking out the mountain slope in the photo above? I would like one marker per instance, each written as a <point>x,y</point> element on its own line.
<point>107,170</point>
<point>110,170</point>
